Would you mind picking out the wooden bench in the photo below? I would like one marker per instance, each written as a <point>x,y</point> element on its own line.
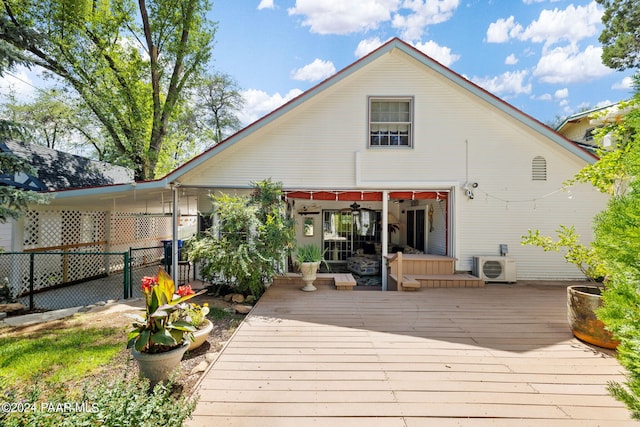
<point>344,282</point>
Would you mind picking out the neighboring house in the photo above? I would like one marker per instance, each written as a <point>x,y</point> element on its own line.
<point>395,138</point>
<point>580,127</point>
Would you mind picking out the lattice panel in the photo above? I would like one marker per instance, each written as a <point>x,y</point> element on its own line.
<point>129,231</point>
<point>46,229</point>
<point>31,229</point>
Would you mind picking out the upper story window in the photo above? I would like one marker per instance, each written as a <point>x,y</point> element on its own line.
<point>390,122</point>
<point>539,169</point>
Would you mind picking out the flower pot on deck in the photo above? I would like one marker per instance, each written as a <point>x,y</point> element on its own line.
<point>309,270</point>
<point>200,336</point>
<point>582,303</point>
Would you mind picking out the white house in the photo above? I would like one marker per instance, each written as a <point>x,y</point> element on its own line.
<point>395,138</point>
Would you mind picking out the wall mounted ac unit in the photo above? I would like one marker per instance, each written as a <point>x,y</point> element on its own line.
<point>495,268</point>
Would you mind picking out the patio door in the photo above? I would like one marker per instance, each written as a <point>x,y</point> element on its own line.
<point>345,231</point>
<point>416,229</point>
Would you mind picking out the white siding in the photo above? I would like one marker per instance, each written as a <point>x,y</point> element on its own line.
<point>6,230</point>
<point>457,136</point>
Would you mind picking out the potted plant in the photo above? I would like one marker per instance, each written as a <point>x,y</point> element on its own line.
<point>309,258</point>
<point>582,300</point>
<point>160,338</point>
<point>196,315</point>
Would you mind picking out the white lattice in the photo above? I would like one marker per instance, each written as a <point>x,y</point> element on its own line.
<point>58,229</point>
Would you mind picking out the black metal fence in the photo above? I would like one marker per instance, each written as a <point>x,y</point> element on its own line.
<point>55,280</point>
<point>144,262</point>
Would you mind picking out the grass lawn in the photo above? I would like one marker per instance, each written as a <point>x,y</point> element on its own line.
<point>56,356</point>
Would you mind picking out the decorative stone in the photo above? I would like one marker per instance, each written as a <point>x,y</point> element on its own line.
<point>242,309</point>
<point>211,357</point>
<point>201,367</point>
<point>250,299</point>
<point>2,315</point>
<point>228,297</point>
<point>237,298</point>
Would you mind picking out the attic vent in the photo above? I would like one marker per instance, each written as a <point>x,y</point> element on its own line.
<point>539,169</point>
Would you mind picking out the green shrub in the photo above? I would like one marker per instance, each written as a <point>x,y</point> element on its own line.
<point>125,402</point>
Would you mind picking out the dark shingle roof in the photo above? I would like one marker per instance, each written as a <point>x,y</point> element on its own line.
<point>60,171</point>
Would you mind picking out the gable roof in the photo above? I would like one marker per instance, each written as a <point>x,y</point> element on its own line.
<point>414,53</point>
<point>394,44</point>
<point>58,170</point>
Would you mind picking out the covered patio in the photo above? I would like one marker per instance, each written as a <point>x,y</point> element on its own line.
<point>501,355</point>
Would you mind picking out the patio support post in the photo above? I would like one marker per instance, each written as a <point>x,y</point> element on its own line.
<point>174,234</point>
<point>385,237</point>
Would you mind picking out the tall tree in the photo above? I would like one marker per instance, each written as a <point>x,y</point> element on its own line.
<point>621,35</point>
<point>220,100</point>
<point>129,62</point>
<point>13,201</point>
<point>55,120</point>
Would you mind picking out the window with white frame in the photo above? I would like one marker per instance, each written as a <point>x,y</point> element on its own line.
<point>390,122</point>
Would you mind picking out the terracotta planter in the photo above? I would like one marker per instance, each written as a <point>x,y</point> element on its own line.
<point>200,336</point>
<point>309,270</point>
<point>157,367</point>
<point>582,302</point>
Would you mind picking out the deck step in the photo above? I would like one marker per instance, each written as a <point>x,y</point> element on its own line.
<point>344,282</point>
<point>460,280</point>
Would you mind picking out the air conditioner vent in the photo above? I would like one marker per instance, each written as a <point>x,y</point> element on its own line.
<point>495,268</point>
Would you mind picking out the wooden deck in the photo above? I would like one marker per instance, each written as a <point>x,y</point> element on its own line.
<point>501,355</point>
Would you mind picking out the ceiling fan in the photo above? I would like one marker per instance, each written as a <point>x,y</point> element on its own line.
<point>355,209</point>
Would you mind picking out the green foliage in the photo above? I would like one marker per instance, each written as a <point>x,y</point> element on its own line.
<point>250,240</point>
<point>583,257</point>
<point>311,253</point>
<point>129,62</point>
<point>620,37</point>
<point>618,165</point>
<point>163,327</point>
<point>617,244</point>
<point>14,201</point>
<point>123,402</point>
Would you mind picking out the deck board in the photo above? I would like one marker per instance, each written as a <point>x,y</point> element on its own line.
<point>501,355</point>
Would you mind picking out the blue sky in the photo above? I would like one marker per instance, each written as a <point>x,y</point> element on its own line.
<point>542,56</point>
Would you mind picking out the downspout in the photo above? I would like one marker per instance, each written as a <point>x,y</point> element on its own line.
<point>174,233</point>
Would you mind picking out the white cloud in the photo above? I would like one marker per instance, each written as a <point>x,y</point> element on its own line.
<point>265,4</point>
<point>423,13</point>
<point>367,46</point>
<point>561,93</point>
<point>509,83</point>
<point>316,71</point>
<point>569,65</point>
<point>538,1</point>
<point>571,24</point>
<point>442,54</point>
<point>624,84</point>
<point>258,103</point>
<point>502,30</point>
<point>511,60</point>
<point>342,17</point>
<point>543,97</point>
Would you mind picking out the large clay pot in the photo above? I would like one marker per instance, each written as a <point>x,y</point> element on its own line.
<point>309,270</point>
<point>157,367</point>
<point>582,303</point>
<point>200,336</point>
